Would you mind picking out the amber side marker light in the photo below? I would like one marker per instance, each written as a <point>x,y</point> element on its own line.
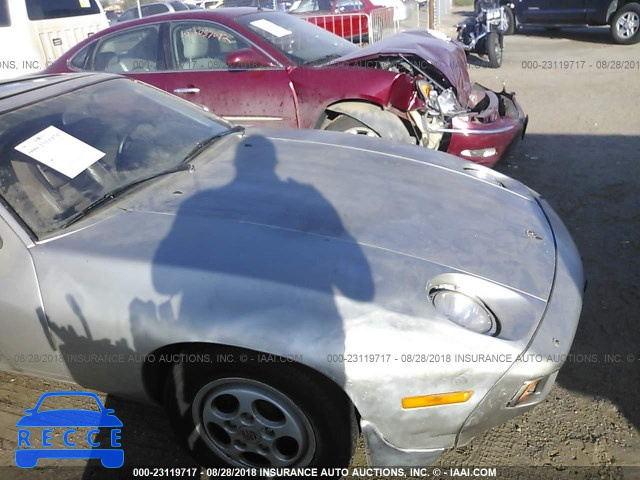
<point>437,399</point>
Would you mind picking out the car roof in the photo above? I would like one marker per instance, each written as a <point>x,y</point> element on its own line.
<point>153,3</point>
<point>200,14</point>
<point>18,92</point>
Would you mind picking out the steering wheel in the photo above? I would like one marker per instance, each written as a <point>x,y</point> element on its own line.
<point>121,160</point>
<point>57,189</point>
<point>49,200</point>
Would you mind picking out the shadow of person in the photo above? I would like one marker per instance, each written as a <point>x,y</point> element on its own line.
<point>258,262</point>
<point>255,262</point>
<point>108,360</point>
<point>145,438</point>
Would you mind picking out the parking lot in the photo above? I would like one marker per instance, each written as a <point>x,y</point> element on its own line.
<point>581,152</point>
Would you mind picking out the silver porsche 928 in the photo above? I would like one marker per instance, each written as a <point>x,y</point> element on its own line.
<point>278,291</point>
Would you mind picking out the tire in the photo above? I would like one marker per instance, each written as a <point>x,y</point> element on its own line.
<point>510,20</point>
<point>494,50</point>
<point>249,404</point>
<point>625,24</point>
<point>346,124</point>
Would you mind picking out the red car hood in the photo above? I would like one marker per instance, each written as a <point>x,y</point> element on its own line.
<point>447,56</point>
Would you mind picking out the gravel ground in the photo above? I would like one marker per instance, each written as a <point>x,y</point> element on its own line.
<point>581,153</point>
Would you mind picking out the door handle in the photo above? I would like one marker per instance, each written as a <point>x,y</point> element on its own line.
<point>186,90</point>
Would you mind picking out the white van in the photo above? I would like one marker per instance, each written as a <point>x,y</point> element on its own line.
<point>33,33</point>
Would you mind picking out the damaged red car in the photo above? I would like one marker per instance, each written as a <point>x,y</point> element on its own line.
<point>271,68</point>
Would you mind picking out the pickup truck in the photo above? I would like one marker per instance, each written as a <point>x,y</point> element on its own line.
<point>623,16</point>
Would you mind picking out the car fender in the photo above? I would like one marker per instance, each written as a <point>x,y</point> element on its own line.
<point>613,7</point>
<point>385,123</point>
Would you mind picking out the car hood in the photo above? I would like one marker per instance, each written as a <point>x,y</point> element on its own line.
<point>445,55</point>
<point>391,199</point>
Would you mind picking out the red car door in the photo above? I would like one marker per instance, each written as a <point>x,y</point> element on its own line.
<point>256,92</point>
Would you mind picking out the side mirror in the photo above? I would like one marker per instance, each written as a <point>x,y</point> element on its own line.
<point>246,58</point>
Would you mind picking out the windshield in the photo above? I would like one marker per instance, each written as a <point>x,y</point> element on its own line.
<point>302,42</point>
<point>306,6</point>
<point>46,9</point>
<point>60,155</point>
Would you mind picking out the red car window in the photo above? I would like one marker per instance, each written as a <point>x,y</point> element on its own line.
<point>203,45</point>
<point>128,51</point>
<point>346,6</point>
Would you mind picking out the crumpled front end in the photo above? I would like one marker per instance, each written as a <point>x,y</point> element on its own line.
<point>479,125</point>
<point>495,123</point>
<point>446,112</point>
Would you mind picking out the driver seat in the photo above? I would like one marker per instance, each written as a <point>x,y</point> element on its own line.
<point>196,49</point>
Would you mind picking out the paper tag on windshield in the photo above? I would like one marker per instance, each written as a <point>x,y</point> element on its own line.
<point>60,151</point>
<point>271,28</point>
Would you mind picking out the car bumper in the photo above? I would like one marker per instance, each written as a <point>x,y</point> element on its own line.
<point>540,361</point>
<point>486,143</point>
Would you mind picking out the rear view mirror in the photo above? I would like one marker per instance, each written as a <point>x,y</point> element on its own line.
<point>246,59</point>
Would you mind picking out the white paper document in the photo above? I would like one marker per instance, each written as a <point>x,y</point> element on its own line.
<point>60,151</point>
<point>271,28</point>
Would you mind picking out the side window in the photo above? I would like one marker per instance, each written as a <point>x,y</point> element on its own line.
<point>129,51</point>
<point>130,14</point>
<point>179,6</point>
<point>5,20</point>
<point>305,6</point>
<point>345,6</point>
<point>79,60</point>
<point>203,46</point>
<point>156,9</point>
<point>46,9</point>
<point>323,6</point>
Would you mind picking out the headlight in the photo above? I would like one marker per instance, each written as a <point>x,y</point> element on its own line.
<point>448,102</point>
<point>464,310</point>
<point>424,88</point>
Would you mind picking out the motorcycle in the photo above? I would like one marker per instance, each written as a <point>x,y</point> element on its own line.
<point>483,34</point>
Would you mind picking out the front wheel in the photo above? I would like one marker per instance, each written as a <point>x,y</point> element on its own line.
<point>250,414</point>
<point>625,25</point>
<point>494,50</point>
<point>350,125</point>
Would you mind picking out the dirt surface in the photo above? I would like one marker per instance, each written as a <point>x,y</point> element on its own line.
<point>581,152</point>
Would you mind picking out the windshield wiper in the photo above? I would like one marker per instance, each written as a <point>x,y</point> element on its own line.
<point>120,190</point>
<point>323,59</point>
<point>183,166</point>
<point>202,145</point>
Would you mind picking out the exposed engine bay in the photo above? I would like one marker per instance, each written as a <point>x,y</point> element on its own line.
<point>440,101</point>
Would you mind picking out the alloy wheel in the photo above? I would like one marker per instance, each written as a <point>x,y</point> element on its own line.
<point>250,423</point>
<point>628,24</point>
